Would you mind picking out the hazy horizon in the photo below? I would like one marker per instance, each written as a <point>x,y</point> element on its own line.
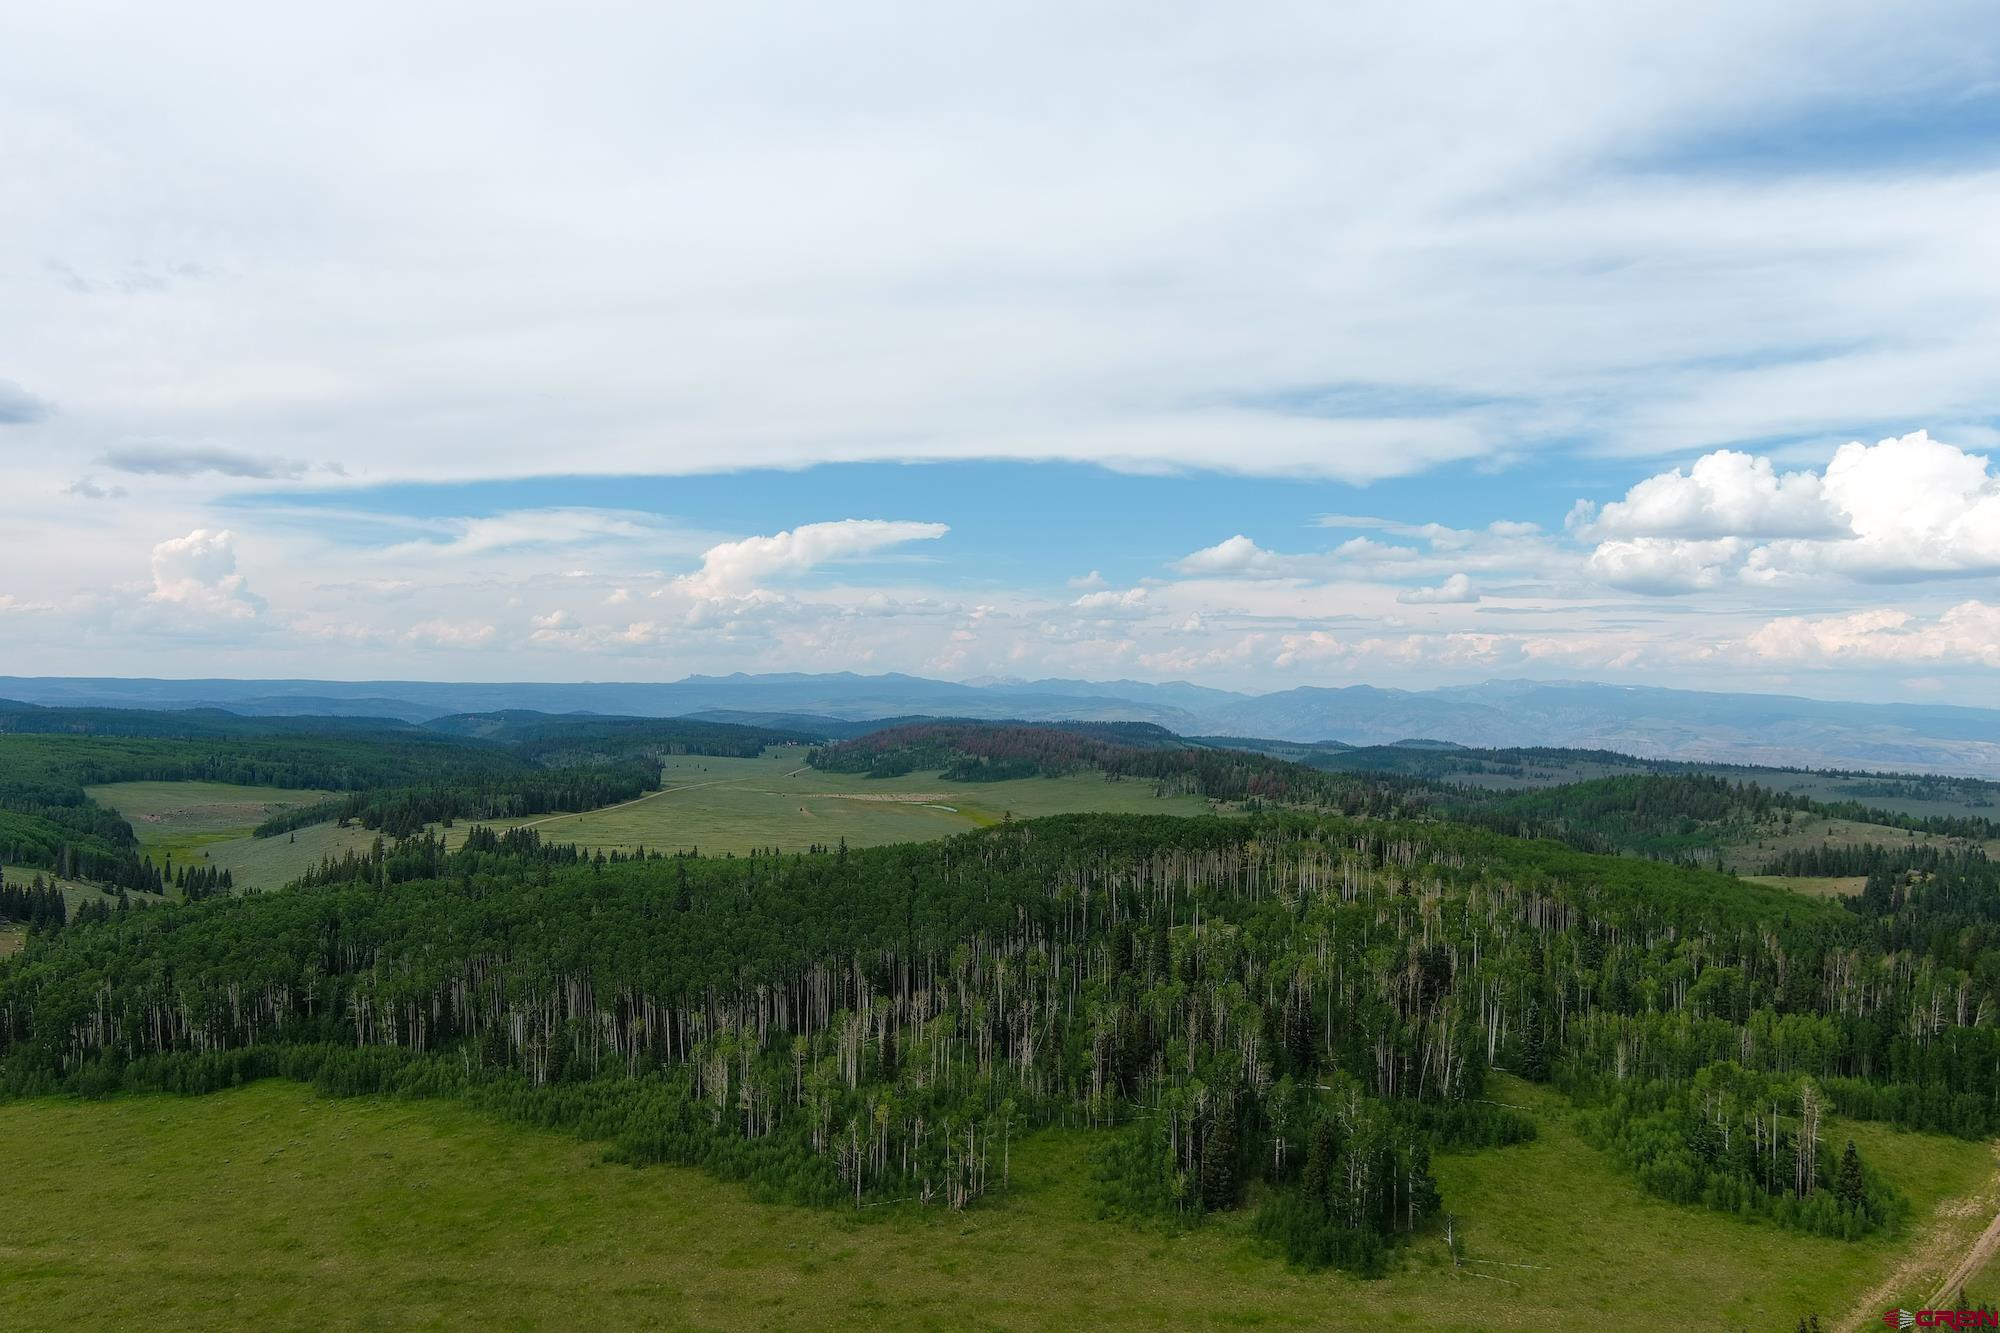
<point>986,681</point>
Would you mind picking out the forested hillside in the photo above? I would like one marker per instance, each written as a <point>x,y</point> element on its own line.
<point>1308,1002</point>
<point>1656,809</point>
<point>582,737</point>
<point>1684,816</point>
<point>990,752</point>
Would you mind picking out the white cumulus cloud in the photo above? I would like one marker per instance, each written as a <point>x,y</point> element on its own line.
<point>1237,556</point>
<point>1111,600</point>
<point>736,568</point>
<point>1725,494</point>
<point>1454,591</point>
<point>1905,508</point>
<point>198,572</point>
<point>1663,565</point>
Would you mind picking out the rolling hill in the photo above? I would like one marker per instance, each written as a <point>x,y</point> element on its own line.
<point>1654,723</point>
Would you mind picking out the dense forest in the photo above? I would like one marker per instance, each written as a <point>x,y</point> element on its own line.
<point>1666,813</point>
<point>1121,751</point>
<point>1685,816</point>
<point>38,905</point>
<point>1289,1013</point>
<point>1447,763</point>
<point>557,740</point>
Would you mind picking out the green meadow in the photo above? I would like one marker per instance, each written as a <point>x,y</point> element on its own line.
<point>713,804</point>
<point>733,805</point>
<point>1819,886</point>
<point>271,1207</point>
<point>1812,831</point>
<point>179,820</point>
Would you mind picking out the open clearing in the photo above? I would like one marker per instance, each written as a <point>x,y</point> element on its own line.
<point>11,939</point>
<point>270,1207</point>
<point>734,805</point>
<point>180,819</point>
<point>272,863</point>
<point>1811,831</point>
<point>1926,797</point>
<point>1819,886</point>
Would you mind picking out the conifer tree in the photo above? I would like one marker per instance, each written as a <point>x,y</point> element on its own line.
<point>1848,1184</point>
<point>1218,1163</point>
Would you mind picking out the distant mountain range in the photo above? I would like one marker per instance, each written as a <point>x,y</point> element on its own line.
<point>1654,723</point>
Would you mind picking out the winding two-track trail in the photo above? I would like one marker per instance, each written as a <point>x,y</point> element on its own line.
<point>1975,1259</point>
<point>1929,1266</point>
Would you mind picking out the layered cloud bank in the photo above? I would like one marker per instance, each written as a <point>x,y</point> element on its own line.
<point>315,389</point>
<point>1729,570</point>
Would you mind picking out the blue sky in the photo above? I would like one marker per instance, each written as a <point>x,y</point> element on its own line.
<point>1125,525</point>
<point>1650,343</point>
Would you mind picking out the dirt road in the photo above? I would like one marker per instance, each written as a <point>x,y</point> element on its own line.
<point>1945,1256</point>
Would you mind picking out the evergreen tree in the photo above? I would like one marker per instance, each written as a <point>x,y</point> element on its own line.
<point>1848,1186</point>
<point>1318,1179</point>
<point>1218,1163</point>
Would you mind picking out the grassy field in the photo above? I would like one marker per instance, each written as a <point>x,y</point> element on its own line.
<point>1953,799</point>
<point>181,819</point>
<point>1814,831</point>
<point>272,863</point>
<point>10,939</point>
<point>733,805</point>
<point>268,1207</point>
<point>1819,886</point>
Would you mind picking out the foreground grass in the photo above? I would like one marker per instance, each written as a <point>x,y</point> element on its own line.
<point>268,1207</point>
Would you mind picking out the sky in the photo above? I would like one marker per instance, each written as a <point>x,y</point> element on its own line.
<point>1257,345</point>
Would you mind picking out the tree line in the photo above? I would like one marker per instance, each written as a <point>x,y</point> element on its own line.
<point>988,752</point>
